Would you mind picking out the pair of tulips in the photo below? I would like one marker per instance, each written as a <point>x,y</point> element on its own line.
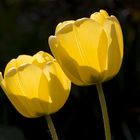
<point>87,51</point>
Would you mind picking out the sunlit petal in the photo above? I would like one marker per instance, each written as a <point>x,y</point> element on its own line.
<point>68,65</point>
<point>119,34</point>
<point>79,46</point>
<point>59,86</point>
<point>114,54</point>
<point>98,17</point>
<point>104,13</point>
<point>62,24</point>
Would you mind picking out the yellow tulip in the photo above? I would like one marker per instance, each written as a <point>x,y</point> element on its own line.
<point>89,50</point>
<point>35,85</point>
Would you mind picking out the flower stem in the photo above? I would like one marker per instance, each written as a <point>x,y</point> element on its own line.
<point>104,111</point>
<point>51,128</point>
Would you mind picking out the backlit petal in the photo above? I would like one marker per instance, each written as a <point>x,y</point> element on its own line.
<point>103,52</point>
<point>28,83</point>
<point>19,105</point>
<point>119,33</point>
<point>37,82</point>
<point>104,13</point>
<point>11,64</point>
<point>80,46</point>
<point>114,55</point>
<point>98,17</point>
<point>59,86</point>
<point>62,24</point>
<point>41,58</point>
<point>22,59</point>
<point>67,63</point>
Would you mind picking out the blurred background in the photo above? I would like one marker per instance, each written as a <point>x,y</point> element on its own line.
<point>25,26</point>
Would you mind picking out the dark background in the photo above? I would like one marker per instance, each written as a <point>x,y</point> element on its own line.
<point>25,26</point>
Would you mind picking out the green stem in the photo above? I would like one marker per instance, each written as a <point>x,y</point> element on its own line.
<point>51,128</point>
<point>104,111</point>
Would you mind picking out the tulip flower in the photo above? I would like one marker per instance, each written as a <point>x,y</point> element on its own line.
<point>35,85</point>
<point>89,50</point>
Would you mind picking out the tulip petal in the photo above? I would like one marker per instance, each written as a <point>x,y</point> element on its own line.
<point>103,51</point>
<point>19,105</point>
<point>41,59</point>
<point>98,17</point>
<point>22,105</point>
<point>43,89</point>
<point>21,59</point>
<point>114,55</point>
<point>68,66</point>
<point>80,40</point>
<point>89,75</point>
<point>2,83</point>
<point>15,87</point>
<point>119,34</point>
<point>16,62</point>
<point>59,86</point>
<point>11,64</point>
<point>37,82</point>
<point>27,82</point>
<point>104,13</point>
<point>43,56</point>
<point>62,24</point>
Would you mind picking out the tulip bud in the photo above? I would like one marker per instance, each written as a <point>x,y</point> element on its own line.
<point>89,50</point>
<point>35,85</point>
